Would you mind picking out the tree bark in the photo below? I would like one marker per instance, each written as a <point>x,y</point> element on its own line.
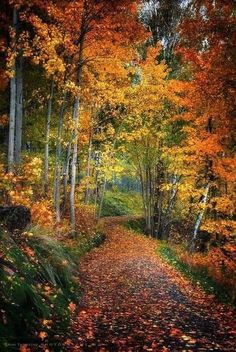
<point>200,216</point>
<point>76,116</point>
<point>66,173</point>
<point>157,212</point>
<point>47,137</point>
<point>57,173</point>
<point>87,191</point>
<point>102,198</point>
<point>19,109</point>
<point>74,162</point>
<point>171,203</point>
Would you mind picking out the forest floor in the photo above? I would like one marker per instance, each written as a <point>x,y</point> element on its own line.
<point>133,301</point>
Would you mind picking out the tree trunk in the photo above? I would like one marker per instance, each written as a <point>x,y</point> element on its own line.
<point>47,136</point>
<point>87,191</point>
<point>76,116</point>
<point>19,109</point>
<point>171,203</point>
<point>74,163</point>
<point>12,120</point>
<point>200,216</point>
<point>57,174</point>
<point>157,211</point>
<point>66,169</point>
<point>102,198</point>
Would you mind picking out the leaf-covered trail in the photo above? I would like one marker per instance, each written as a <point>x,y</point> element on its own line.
<point>134,302</point>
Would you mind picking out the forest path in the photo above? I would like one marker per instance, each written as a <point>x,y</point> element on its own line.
<point>134,302</point>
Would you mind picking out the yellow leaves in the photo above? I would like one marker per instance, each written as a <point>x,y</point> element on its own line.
<point>32,169</point>
<point>47,323</point>
<point>188,339</point>
<point>27,234</point>
<point>224,227</point>
<point>71,87</point>
<point>224,204</point>
<point>45,44</point>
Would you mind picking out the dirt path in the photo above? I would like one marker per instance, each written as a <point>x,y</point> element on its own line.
<point>134,302</point>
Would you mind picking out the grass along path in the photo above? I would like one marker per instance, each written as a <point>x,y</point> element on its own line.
<point>133,301</point>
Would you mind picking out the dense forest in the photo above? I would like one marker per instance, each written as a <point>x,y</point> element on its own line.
<point>117,138</point>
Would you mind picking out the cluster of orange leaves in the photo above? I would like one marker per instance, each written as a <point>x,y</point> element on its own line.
<point>4,119</point>
<point>42,214</point>
<point>221,267</point>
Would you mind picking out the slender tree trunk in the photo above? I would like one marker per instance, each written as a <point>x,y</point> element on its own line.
<point>74,163</point>
<point>12,120</point>
<point>102,198</point>
<point>19,109</point>
<point>76,116</point>
<point>47,137</point>
<point>57,174</point>
<point>66,173</point>
<point>171,203</point>
<point>200,216</point>
<point>87,191</point>
<point>158,201</point>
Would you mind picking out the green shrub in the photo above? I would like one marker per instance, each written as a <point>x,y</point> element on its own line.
<point>83,244</point>
<point>136,225</point>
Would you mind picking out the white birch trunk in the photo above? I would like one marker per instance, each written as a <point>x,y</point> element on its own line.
<point>200,215</point>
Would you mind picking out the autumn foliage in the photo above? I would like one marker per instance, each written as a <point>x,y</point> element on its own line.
<point>111,105</point>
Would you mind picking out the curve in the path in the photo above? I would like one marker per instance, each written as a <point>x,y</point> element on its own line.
<point>134,302</point>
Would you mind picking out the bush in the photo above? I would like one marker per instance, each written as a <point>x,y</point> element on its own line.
<point>84,243</point>
<point>136,225</point>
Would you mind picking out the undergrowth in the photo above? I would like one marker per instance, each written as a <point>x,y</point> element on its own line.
<point>137,225</point>
<point>198,275</point>
<point>39,287</point>
<point>118,203</point>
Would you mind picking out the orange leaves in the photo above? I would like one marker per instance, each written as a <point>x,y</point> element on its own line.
<point>42,214</point>
<point>4,120</point>
<point>29,252</point>
<point>42,335</point>
<point>85,218</point>
<point>24,348</point>
<point>72,307</point>
<point>175,332</point>
<point>219,262</point>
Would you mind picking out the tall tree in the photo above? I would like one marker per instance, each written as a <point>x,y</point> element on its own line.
<point>207,43</point>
